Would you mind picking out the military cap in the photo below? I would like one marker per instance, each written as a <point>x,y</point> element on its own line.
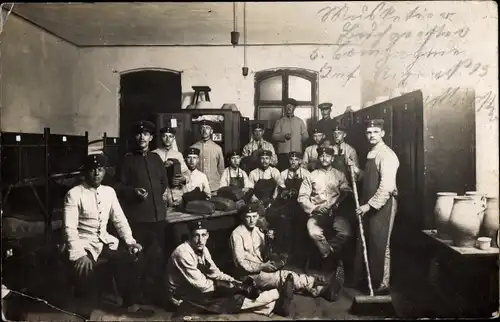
<point>295,154</point>
<point>325,106</point>
<point>316,130</point>
<point>291,101</point>
<point>93,161</point>
<point>251,207</point>
<point>265,153</point>
<point>256,126</point>
<point>143,126</point>
<point>234,153</point>
<point>168,129</point>
<point>194,151</point>
<point>339,127</point>
<point>375,123</point>
<point>208,123</point>
<point>327,150</point>
<point>197,224</point>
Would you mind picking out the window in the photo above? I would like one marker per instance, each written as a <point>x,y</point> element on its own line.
<point>273,87</point>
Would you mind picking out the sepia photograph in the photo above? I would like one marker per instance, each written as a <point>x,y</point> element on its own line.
<point>249,161</point>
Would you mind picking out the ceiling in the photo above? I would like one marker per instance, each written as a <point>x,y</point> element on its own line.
<point>181,23</point>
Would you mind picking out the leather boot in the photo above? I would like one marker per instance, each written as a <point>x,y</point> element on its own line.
<point>332,290</point>
<point>282,306</point>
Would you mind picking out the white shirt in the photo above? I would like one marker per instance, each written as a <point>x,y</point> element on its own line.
<point>248,247</point>
<point>171,154</point>
<point>301,173</point>
<point>232,173</point>
<point>87,211</point>
<point>270,173</point>
<point>197,179</point>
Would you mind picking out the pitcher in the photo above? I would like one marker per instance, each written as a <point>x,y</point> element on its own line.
<point>481,197</point>
<point>465,220</point>
<point>491,224</point>
<point>442,212</point>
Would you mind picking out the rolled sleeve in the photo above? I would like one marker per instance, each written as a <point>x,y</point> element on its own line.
<point>388,168</point>
<point>71,217</point>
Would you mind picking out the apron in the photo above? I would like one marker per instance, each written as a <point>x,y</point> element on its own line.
<point>264,189</point>
<point>237,181</point>
<point>378,226</point>
<point>295,233</point>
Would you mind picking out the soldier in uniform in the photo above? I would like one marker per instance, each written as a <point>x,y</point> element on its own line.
<point>378,203</point>
<point>290,132</point>
<point>194,278</point>
<point>310,160</point>
<point>343,151</point>
<point>196,178</point>
<point>326,123</point>
<point>140,184</point>
<point>252,256</point>
<point>265,180</point>
<point>234,176</point>
<point>175,165</point>
<point>88,208</point>
<point>319,196</point>
<point>211,156</point>
<point>251,151</point>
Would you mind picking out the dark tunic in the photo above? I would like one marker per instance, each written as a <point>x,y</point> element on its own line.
<point>326,127</point>
<point>142,171</point>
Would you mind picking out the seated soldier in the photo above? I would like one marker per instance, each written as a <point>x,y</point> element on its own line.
<point>264,180</point>
<point>173,160</point>
<point>196,179</point>
<point>88,208</point>
<point>234,176</point>
<point>194,278</point>
<point>310,160</point>
<point>252,256</point>
<point>319,196</point>
<point>251,151</point>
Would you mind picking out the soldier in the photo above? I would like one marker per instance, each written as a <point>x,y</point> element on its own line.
<point>326,123</point>
<point>249,246</point>
<point>343,151</point>
<point>88,208</point>
<point>310,161</point>
<point>211,157</point>
<point>196,178</point>
<point>234,176</point>
<point>140,185</point>
<point>251,151</point>
<point>194,278</point>
<point>265,180</point>
<point>378,203</point>
<point>290,132</point>
<point>319,196</point>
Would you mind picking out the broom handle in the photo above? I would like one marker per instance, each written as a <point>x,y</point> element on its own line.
<point>362,232</point>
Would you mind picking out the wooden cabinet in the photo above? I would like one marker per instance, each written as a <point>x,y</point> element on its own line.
<point>435,144</point>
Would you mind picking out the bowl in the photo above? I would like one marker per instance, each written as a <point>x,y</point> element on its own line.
<point>484,243</point>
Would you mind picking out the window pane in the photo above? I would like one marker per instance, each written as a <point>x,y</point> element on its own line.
<point>271,89</point>
<point>304,112</point>
<point>299,88</point>
<point>270,113</point>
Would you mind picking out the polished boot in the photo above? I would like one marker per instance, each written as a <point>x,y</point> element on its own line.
<point>282,306</point>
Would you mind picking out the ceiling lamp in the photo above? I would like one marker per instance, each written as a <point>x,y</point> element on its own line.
<point>235,35</point>
<point>244,70</point>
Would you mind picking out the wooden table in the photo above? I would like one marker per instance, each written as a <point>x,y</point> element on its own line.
<point>466,278</point>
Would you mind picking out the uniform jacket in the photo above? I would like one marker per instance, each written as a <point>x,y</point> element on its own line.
<point>321,188</point>
<point>349,152</point>
<point>301,173</point>
<point>326,127</point>
<point>197,179</point>
<point>171,154</point>
<point>310,154</point>
<point>248,248</point>
<point>87,211</point>
<point>184,277</point>
<point>296,127</point>
<point>139,170</point>
<point>253,146</point>
<point>211,161</point>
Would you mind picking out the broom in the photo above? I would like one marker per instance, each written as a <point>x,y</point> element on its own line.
<point>368,305</point>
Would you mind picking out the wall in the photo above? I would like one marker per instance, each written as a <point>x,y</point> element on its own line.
<point>388,47</point>
<point>36,80</point>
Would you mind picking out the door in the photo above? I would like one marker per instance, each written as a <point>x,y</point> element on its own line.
<point>144,93</point>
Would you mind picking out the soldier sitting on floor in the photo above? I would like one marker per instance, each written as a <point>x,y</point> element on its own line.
<point>196,283</point>
<point>253,256</point>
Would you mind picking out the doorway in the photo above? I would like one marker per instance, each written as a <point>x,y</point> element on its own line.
<point>145,92</point>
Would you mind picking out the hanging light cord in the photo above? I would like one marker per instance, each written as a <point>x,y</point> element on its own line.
<point>244,34</point>
<point>235,24</point>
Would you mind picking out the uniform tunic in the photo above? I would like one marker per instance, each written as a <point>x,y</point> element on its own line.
<point>197,179</point>
<point>248,248</point>
<point>379,189</point>
<point>172,154</point>
<point>142,170</point>
<point>347,152</point>
<point>86,214</point>
<point>322,189</point>
<point>310,155</point>
<point>254,145</point>
<point>296,127</point>
<point>211,161</point>
<point>230,173</point>
<point>326,126</point>
<point>191,275</point>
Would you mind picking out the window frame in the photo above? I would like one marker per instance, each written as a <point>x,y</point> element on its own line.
<point>285,73</point>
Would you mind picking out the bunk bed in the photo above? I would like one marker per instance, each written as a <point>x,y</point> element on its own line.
<point>36,171</point>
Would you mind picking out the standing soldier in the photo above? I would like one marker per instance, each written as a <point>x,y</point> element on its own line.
<point>343,151</point>
<point>141,183</point>
<point>378,203</point>
<point>251,151</point>
<point>211,157</point>
<point>326,123</point>
<point>290,132</point>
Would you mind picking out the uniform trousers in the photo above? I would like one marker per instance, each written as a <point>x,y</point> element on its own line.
<point>302,283</point>
<point>329,234</point>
